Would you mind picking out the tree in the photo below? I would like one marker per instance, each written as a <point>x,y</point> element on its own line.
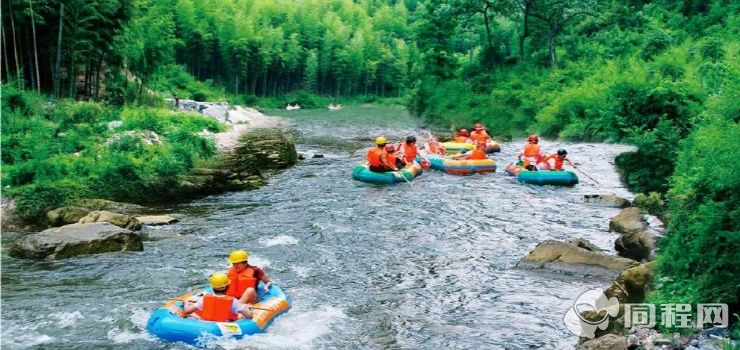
<point>556,14</point>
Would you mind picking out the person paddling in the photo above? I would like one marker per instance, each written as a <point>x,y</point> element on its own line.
<point>479,134</point>
<point>433,146</point>
<point>555,161</point>
<point>217,307</point>
<point>243,278</point>
<point>376,156</point>
<point>390,159</point>
<point>532,153</point>
<point>408,150</point>
<point>462,136</point>
<point>478,153</point>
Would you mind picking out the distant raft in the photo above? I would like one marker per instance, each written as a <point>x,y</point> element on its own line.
<point>167,324</point>
<point>364,174</point>
<point>543,177</point>
<point>460,147</point>
<point>462,166</point>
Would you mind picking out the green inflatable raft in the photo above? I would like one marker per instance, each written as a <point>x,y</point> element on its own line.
<point>362,173</point>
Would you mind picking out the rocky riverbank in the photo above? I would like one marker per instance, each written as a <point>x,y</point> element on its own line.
<point>253,146</point>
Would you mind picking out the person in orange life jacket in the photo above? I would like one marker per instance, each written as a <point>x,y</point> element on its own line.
<point>391,159</point>
<point>532,153</point>
<point>244,278</point>
<point>479,134</point>
<point>462,136</point>
<point>218,306</point>
<point>408,150</point>
<point>478,153</point>
<point>376,156</point>
<point>555,161</point>
<point>434,147</point>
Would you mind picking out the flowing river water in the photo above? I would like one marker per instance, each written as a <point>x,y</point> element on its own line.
<point>422,266</point>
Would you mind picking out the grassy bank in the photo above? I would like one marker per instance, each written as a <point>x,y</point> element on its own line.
<point>56,153</point>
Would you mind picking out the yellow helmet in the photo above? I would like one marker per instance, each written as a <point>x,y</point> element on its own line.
<point>219,280</point>
<point>381,141</point>
<point>238,256</point>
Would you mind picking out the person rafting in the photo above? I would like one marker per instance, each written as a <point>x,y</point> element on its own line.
<point>390,159</point>
<point>478,153</point>
<point>532,153</point>
<point>244,278</point>
<point>375,156</point>
<point>462,136</point>
<point>217,307</point>
<point>433,146</point>
<point>479,134</point>
<point>555,161</point>
<point>408,150</point>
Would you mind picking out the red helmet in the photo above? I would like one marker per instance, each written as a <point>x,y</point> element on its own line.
<point>478,126</point>
<point>390,148</point>
<point>463,132</point>
<point>533,138</point>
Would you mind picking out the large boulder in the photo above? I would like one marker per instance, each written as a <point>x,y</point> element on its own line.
<point>120,220</point>
<point>570,258</point>
<point>630,287</point>
<point>66,215</point>
<point>156,220</point>
<point>93,204</point>
<point>75,239</point>
<point>268,149</point>
<point>629,220</point>
<point>583,243</point>
<point>635,245</point>
<point>607,342</point>
<point>607,200</point>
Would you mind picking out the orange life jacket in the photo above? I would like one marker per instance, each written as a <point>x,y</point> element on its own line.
<point>477,154</point>
<point>532,150</point>
<point>217,308</point>
<point>479,136</point>
<point>436,148</point>
<point>373,156</point>
<point>558,161</point>
<point>391,159</point>
<point>409,152</point>
<point>461,139</point>
<point>239,282</point>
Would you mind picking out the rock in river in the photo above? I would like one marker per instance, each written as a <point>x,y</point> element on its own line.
<point>607,200</point>
<point>66,215</point>
<point>120,220</point>
<point>154,220</point>
<point>628,220</point>
<point>571,258</point>
<point>76,239</point>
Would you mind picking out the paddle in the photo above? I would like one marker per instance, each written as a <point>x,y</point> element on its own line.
<point>404,178</point>
<point>586,175</point>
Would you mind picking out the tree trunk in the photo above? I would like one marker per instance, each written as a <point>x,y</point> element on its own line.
<point>15,49</point>
<point>552,45</point>
<point>35,50</point>
<point>525,33</point>
<point>58,65</point>
<point>97,77</point>
<point>4,39</point>
<point>488,26</point>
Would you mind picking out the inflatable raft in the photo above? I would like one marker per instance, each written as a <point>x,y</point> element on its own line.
<point>364,174</point>
<point>543,177</point>
<point>458,147</point>
<point>462,166</point>
<point>166,323</point>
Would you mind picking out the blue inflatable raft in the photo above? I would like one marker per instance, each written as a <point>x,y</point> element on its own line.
<point>364,174</point>
<point>167,324</point>
<point>543,177</point>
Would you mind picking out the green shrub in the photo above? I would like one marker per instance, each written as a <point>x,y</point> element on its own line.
<point>34,200</point>
<point>651,203</point>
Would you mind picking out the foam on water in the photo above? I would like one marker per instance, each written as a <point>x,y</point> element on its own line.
<point>67,318</point>
<point>292,330</point>
<point>279,240</point>
<point>16,336</point>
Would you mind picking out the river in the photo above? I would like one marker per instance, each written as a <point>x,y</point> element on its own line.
<point>422,266</point>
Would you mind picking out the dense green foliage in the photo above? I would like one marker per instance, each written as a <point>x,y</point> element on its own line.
<point>127,50</point>
<point>54,155</point>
